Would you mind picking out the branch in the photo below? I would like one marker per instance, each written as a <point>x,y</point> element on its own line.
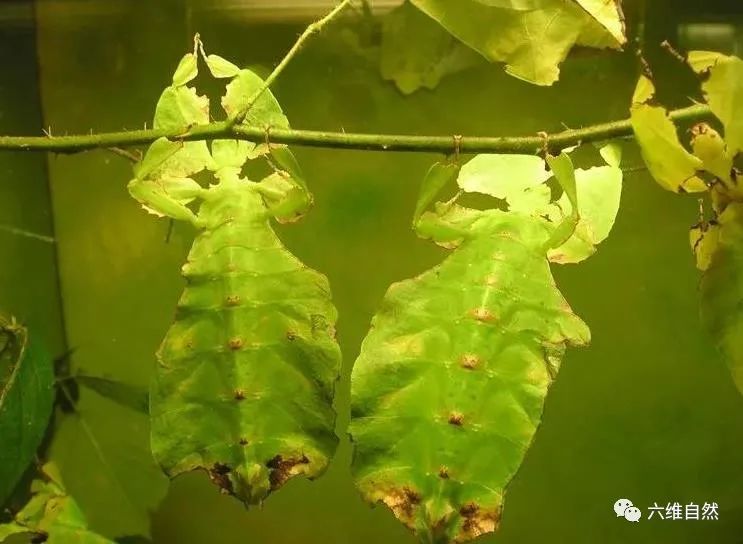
<point>315,27</point>
<point>342,140</point>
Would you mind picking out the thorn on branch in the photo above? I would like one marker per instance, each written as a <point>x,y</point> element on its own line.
<point>457,146</point>
<point>544,149</point>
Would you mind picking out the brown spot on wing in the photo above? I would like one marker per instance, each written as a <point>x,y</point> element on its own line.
<point>282,469</point>
<point>219,475</point>
<point>477,521</point>
<point>470,361</point>
<point>483,315</point>
<point>403,502</point>
<point>456,419</point>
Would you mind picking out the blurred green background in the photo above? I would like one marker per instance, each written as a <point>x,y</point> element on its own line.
<point>647,412</point>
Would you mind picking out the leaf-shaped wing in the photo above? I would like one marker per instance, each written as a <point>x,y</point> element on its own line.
<point>599,191</point>
<point>448,390</point>
<point>249,366</point>
<point>672,166</point>
<point>502,176</point>
<point>26,398</point>
<point>532,38</point>
<point>162,183</point>
<point>721,288</point>
<point>723,88</point>
<point>265,111</point>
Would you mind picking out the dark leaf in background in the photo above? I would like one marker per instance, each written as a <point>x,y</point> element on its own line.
<point>26,397</point>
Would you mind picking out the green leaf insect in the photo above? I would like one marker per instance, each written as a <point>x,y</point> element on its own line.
<point>723,89</point>
<point>719,250</point>
<point>449,386</point>
<point>246,374</point>
<point>51,515</point>
<point>717,244</point>
<point>532,37</point>
<point>26,398</point>
<point>670,164</point>
<point>162,182</point>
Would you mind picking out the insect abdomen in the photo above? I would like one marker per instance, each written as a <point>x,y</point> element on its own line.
<point>250,360</point>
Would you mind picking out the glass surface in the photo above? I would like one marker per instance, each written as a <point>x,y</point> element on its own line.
<point>648,411</point>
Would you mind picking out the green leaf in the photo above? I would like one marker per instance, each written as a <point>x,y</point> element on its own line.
<point>423,61</point>
<point>609,30</point>
<point>567,221</point>
<point>285,160</point>
<point>437,177</point>
<point>502,176</point>
<point>599,191</point>
<point>672,166</point>
<point>516,5</point>
<point>54,515</point>
<point>103,451</point>
<point>167,197</point>
<point>266,112</point>
<point>220,67</point>
<point>186,71</point>
<point>531,42</point>
<point>286,199</point>
<point>162,184</point>
<point>26,398</point>
<point>166,158</point>
<point>449,225</point>
<point>723,89</point>
<point>611,153</point>
<point>532,201</point>
<point>721,288</point>
<point>449,386</point>
<point>181,107</point>
<point>708,145</point>
<point>248,369</point>
<point>564,171</point>
<point>127,395</point>
<point>10,529</point>
<point>230,153</point>
<point>703,239</point>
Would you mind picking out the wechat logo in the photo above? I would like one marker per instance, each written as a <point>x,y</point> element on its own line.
<point>625,509</point>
